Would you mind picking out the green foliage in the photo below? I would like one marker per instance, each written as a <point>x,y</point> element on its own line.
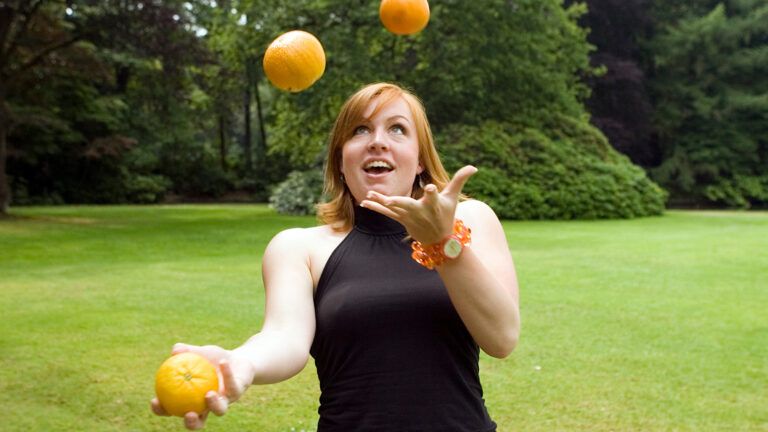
<point>711,91</point>
<point>734,192</point>
<point>91,120</point>
<point>475,61</point>
<point>194,170</point>
<point>493,60</point>
<point>146,189</point>
<point>183,99</point>
<point>299,193</point>
<point>570,172</point>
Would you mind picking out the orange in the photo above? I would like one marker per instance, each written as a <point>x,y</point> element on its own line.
<point>404,17</point>
<point>294,61</point>
<point>182,382</point>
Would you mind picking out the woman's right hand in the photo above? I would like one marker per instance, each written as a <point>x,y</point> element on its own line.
<point>234,378</point>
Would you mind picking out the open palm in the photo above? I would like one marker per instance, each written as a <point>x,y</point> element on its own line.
<point>428,219</point>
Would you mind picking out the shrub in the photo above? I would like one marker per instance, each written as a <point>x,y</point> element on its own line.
<point>299,193</point>
<point>145,189</point>
<point>194,171</point>
<point>741,191</point>
<point>570,173</point>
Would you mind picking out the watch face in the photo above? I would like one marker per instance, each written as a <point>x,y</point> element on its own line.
<point>452,248</point>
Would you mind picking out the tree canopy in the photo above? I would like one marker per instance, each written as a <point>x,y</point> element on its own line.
<point>711,97</point>
<point>113,101</point>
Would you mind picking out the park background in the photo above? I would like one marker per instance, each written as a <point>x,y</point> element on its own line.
<point>589,122</point>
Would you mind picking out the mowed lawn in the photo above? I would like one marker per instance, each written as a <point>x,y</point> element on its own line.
<point>649,324</point>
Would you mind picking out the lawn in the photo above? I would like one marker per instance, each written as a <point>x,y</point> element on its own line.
<point>647,324</point>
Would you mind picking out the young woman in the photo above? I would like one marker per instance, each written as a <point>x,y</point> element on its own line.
<point>393,295</point>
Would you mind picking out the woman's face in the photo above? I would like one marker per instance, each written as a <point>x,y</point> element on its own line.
<point>383,153</point>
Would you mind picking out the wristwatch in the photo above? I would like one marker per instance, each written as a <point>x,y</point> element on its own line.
<point>452,247</point>
<point>433,255</point>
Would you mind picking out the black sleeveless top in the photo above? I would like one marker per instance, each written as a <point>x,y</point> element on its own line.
<point>391,352</point>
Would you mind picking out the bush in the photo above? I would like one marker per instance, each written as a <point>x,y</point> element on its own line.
<point>299,193</point>
<point>194,171</point>
<point>572,173</point>
<point>145,189</point>
<point>741,191</point>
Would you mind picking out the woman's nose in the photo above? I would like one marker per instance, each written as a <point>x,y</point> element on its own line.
<point>378,141</point>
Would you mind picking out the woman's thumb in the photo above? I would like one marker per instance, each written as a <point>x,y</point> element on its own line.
<point>180,348</point>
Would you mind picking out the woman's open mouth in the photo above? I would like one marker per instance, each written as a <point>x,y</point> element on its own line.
<point>377,168</point>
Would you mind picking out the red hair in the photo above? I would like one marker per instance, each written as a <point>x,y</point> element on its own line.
<point>339,210</point>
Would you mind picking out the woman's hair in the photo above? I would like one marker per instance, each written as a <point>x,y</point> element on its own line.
<point>339,210</point>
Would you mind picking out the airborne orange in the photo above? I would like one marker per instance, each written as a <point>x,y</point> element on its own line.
<point>294,61</point>
<point>404,17</point>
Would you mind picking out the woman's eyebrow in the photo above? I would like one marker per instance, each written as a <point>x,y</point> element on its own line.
<point>398,116</point>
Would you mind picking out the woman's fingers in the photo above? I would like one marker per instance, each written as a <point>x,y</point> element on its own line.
<point>194,421</point>
<point>217,403</point>
<point>431,195</point>
<point>157,408</point>
<point>459,179</point>
<point>180,348</point>
<point>402,202</point>
<point>378,208</point>
<point>232,389</point>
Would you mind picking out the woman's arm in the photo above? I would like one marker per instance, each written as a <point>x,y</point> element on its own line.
<point>482,283</point>
<point>281,349</point>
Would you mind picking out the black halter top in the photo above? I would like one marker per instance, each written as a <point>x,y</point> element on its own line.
<point>391,352</point>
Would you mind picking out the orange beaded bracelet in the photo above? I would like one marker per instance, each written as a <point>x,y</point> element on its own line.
<point>431,256</point>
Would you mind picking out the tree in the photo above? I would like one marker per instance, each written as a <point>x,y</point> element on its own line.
<point>31,33</point>
<point>710,89</point>
<point>620,103</point>
<point>498,78</point>
<point>475,61</point>
<point>101,48</point>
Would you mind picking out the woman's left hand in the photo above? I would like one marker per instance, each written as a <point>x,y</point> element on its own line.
<point>428,219</point>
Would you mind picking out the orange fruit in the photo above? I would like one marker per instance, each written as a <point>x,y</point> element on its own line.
<point>404,17</point>
<point>294,61</point>
<point>182,382</point>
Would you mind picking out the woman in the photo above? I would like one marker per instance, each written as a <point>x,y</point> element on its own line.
<point>388,295</point>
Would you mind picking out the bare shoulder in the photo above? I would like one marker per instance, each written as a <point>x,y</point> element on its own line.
<point>474,212</point>
<point>287,241</point>
<point>302,241</point>
<point>311,246</point>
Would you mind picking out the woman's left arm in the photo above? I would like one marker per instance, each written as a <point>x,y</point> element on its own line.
<point>481,281</point>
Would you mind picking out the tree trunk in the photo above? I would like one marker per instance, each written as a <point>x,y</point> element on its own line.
<point>247,119</point>
<point>223,142</point>
<point>261,150</point>
<point>5,190</point>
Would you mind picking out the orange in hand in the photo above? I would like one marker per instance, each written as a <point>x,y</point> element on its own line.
<point>294,61</point>
<point>404,17</point>
<point>182,382</point>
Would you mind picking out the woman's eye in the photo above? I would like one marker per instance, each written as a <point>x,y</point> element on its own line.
<point>398,129</point>
<point>360,130</point>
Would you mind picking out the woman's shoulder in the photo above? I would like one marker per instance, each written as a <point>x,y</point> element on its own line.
<point>308,239</point>
<point>475,211</point>
<point>311,246</point>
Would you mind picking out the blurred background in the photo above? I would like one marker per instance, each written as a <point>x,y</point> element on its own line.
<point>604,109</point>
<point>596,109</point>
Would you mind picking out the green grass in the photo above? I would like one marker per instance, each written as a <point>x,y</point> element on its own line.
<point>648,324</point>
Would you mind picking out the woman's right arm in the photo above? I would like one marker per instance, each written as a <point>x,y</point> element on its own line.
<point>281,349</point>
